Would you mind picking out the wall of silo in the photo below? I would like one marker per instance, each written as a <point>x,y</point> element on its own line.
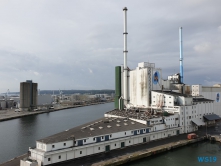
<point>117,86</point>
<point>24,95</point>
<point>34,94</point>
<point>3,104</point>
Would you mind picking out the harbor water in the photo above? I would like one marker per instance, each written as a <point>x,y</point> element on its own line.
<point>17,135</point>
<point>191,155</point>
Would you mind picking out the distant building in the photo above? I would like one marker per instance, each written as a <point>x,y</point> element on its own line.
<point>44,99</point>
<point>28,95</point>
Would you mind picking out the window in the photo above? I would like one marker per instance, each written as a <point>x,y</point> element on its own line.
<point>132,132</point>
<point>129,141</point>
<point>94,139</point>
<point>84,140</point>
<point>59,157</point>
<point>125,133</point>
<point>74,142</point>
<point>80,152</point>
<point>49,159</point>
<point>115,144</point>
<point>99,148</point>
<point>52,146</point>
<point>64,144</point>
<point>110,135</point>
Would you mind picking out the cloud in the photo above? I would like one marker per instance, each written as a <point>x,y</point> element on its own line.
<point>71,41</point>
<point>203,47</point>
<point>90,70</point>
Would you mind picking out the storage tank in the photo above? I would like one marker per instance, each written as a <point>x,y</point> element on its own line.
<point>9,103</point>
<point>3,104</point>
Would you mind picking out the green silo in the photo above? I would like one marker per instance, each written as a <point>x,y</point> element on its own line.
<point>118,87</point>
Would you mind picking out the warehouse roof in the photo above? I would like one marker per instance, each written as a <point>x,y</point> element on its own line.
<point>103,126</point>
<point>212,117</point>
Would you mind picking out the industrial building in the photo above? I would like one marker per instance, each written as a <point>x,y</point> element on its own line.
<point>28,95</point>
<point>147,108</point>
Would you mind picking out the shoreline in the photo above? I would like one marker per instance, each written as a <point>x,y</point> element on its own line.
<point>16,115</point>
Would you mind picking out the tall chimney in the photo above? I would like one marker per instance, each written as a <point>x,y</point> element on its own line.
<point>125,57</point>
<point>181,56</point>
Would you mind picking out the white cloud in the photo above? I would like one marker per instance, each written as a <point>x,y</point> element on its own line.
<point>203,47</point>
<point>36,73</point>
<point>90,70</point>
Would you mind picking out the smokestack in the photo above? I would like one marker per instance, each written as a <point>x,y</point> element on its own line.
<point>125,56</point>
<point>181,56</point>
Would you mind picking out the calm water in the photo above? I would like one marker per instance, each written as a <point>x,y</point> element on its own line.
<point>17,135</point>
<point>185,156</point>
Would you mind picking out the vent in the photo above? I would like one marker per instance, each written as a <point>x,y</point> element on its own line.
<point>118,121</point>
<point>91,128</point>
<point>125,120</point>
<point>100,127</point>
<point>118,125</point>
<point>109,126</point>
<point>132,123</point>
<point>125,124</point>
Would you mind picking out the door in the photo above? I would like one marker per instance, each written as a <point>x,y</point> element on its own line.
<point>107,148</point>
<point>144,139</point>
<point>122,144</point>
<point>177,132</point>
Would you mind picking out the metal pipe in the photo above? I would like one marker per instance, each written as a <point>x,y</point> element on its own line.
<point>181,55</point>
<point>125,57</point>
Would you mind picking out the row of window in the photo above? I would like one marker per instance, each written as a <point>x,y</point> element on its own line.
<point>110,136</point>
<point>59,157</point>
<point>53,146</point>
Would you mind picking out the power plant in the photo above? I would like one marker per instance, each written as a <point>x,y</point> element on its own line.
<point>147,108</point>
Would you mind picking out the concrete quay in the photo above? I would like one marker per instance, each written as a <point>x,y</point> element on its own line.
<point>146,153</point>
<point>11,114</point>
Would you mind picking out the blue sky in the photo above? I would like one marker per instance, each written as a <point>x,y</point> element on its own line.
<point>72,44</point>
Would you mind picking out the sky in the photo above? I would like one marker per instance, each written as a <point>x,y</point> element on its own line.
<point>72,44</point>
